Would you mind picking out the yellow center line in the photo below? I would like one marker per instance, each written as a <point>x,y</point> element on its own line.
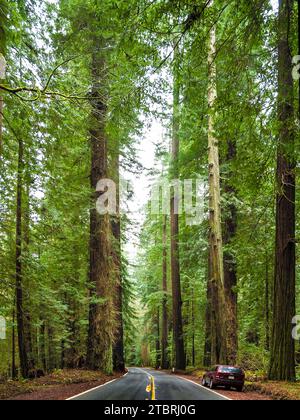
<point>151,388</point>
<point>153,391</point>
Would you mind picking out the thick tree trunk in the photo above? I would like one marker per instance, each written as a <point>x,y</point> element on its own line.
<point>19,267</point>
<point>219,340</point>
<point>101,316</point>
<point>118,347</point>
<point>175,263</point>
<point>282,363</point>
<point>165,322</point>
<point>230,269</point>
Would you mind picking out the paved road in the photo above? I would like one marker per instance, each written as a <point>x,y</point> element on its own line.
<point>144,384</point>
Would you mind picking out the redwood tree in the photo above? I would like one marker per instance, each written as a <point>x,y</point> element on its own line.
<point>282,363</point>
<point>19,265</point>
<point>165,325</point>
<point>101,314</point>
<point>118,347</point>
<point>175,263</point>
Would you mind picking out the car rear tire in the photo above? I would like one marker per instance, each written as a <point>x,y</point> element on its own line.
<point>211,384</point>
<point>204,383</point>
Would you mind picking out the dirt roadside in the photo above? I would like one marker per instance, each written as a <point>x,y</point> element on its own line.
<point>58,386</point>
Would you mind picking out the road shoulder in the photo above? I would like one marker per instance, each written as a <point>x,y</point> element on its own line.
<point>232,395</point>
<point>59,386</point>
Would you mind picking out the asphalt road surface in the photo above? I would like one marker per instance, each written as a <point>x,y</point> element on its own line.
<point>145,384</point>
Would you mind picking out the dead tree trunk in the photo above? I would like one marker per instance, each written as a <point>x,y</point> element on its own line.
<point>230,268</point>
<point>207,361</point>
<point>282,363</point>
<point>219,340</point>
<point>118,347</point>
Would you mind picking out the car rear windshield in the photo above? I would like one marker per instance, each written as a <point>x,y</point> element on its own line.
<point>235,371</point>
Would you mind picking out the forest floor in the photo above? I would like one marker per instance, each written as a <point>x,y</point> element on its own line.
<point>60,385</point>
<point>256,388</point>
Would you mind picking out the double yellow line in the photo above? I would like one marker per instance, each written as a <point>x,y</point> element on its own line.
<point>151,388</point>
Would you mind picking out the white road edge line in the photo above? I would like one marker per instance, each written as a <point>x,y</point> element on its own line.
<point>207,389</point>
<point>94,389</point>
<point>195,383</point>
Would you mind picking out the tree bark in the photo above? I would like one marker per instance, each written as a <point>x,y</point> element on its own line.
<point>27,303</point>
<point>51,349</point>
<point>165,322</point>
<point>230,269</point>
<point>19,266</point>
<point>178,338</point>
<point>282,363</point>
<point>157,349</point>
<point>267,304</point>
<point>193,330</point>
<point>118,348</point>
<point>43,347</point>
<point>101,314</point>
<point>219,340</point>
<point>207,360</point>
<point>13,363</point>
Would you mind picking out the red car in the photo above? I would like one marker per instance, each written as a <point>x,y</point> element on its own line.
<point>226,376</point>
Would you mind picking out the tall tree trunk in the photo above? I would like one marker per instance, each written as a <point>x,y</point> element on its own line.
<point>101,315</point>
<point>267,303</point>
<point>165,322</point>
<point>158,353</point>
<point>219,340</point>
<point>193,328</point>
<point>27,303</point>
<point>51,349</point>
<point>13,362</point>
<point>43,346</point>
<point>19,267</point>
<point>207,361</point>
<point>230,269</point>
<point>118,347</point>
<point>282,363</point>
<point>175,263</point>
